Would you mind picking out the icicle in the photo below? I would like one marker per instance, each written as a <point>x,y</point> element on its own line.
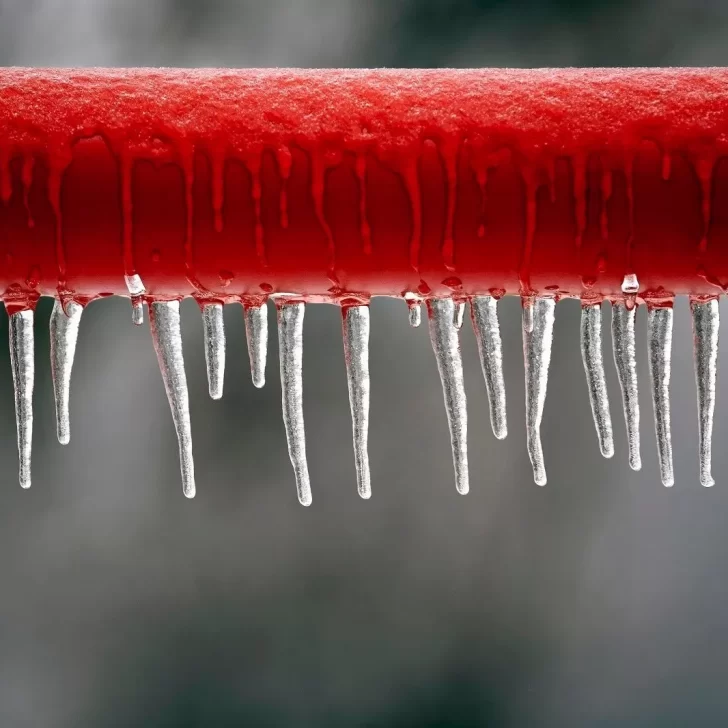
<point>527,313</point>
<point>706,323</point>
<point>137,311</point>
<point>659,340</point>
<point>22,359</point>
<point>414,310</point>
<point>484,315</point>
<point>459,316</point>
<point>164,322</point>
<point>591,354</point>
<point>64,335</point>
<point>356,354</point>
<point>623,343</point>
<point>446,345</point>
<point>136,289</point>
<point>214,332</point>
<point>290,345</point>
<point>256,331</point>
<point>537,357</point>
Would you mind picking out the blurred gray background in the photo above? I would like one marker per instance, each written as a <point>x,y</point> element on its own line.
<point>596,601</point>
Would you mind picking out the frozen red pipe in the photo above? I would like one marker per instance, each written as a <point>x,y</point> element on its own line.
<point>435,186</point>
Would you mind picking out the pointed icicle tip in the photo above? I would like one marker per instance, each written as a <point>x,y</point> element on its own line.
<point>659,340</point>
<point>446,345</point>
<point>256,331</point>
<point>537,357</point>
<point>290,346</point>
<point>356,327</point>
<point>484,317</point>
<point>591,354</point>
<point>706,324</point>
<point>213,327</point>
<point>625,361</point>
<point>22,360</point>
<point>64,328</point>
<point>164,322</point>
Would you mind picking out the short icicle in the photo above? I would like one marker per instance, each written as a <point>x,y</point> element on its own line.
<point>591,354</point>
<point>214,332</point>
<point>290,345</point>
<point>356,354</point>
<point>22,360</point>
<point>459,315</point>
<point>64,327</point>
<point>659,341</point>
<point>256,331</point>
<point>446,345</point>
<point>415,315</point>
<point>625,361</point>
<point>484,316</point>
<point>537,358</point>
<point>164,322</point>
<point>136,288</point>
<point>706,323</point>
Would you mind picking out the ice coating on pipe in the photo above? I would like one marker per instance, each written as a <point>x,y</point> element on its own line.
<point>291,164</point>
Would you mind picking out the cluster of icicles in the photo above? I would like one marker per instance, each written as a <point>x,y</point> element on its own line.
<point>445,320</point>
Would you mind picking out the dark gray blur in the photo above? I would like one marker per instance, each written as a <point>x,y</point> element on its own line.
<point>595,601</point>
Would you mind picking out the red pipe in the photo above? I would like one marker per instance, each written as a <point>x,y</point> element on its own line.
<point>336,184</point>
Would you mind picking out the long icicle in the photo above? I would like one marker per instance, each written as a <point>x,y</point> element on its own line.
<point>537,357</point>
<point>591,354</point>
<point>356,354</point>
<point>706,325</point>
<point>659,340</point>
<point>484,316</point>
<point>213,327</point>
<point>290,345</point>
<point>64,327</point>
<point>22,360</point>
<point>164,322</point>
<point>256,331</point>
<point>446,345</point>
<point>625,361</point>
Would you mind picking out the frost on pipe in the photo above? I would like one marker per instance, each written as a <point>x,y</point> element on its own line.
<point>437,187</point>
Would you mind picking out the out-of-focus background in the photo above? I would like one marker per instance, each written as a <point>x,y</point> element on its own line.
<point>598,600</point>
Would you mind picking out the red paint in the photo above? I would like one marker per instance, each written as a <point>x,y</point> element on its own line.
<point>339,185</point>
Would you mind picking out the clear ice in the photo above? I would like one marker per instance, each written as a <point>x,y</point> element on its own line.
<point>446,345</point>
<point>706,322</point>
<point>484,316</point>
<point>290,346</point>
<point>22,360</point>
<point>256,331</point>
<point>538,332</point>
<point>164,322</point>
<point>213,328</point>
<point>591,354</point>
<point>136,288</point>
<point>356,355</point>
<point>625,361</point>
<point>659,341</point>
<point>64,327</point>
